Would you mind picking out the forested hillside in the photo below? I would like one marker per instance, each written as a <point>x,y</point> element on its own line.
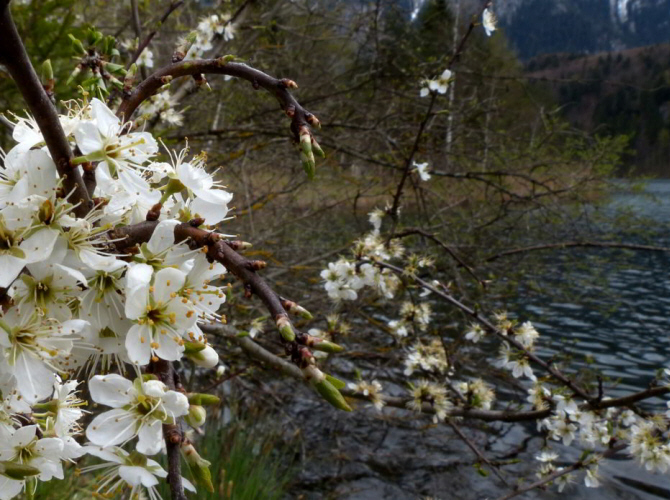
<point>626,92</point>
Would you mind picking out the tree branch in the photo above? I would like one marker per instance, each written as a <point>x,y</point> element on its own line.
<point>143,45</point>
<point>260,353</point>
<point>300,117</point>
<point>172,432</point>
<point>13,55</point>
<point>222,251</point>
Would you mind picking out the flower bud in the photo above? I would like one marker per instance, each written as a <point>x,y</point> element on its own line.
<point>196,416</point>
<point>198,466</point>
<point>220,371</point>
<point>206,358</point>
<point>193,347</point>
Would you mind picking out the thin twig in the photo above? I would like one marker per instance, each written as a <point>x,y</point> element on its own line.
<point>144,44</point>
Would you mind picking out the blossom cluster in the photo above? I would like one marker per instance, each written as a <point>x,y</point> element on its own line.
<point>431,372</point>
<point>79,305</point>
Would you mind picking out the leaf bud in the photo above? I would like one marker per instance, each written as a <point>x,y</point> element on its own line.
<point>331,394</point>
<point>78,46</point>
<point>115,68</point>
<point>199,466</point>
<point>47,72</point>
<point>317,149</point>
<point>223,60</point>
<point>308,164</point>
<point>325,346</point>
<point>202,399</point>
<point>285,328</point>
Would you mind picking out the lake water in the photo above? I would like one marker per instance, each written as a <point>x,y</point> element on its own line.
<point>622,319</point>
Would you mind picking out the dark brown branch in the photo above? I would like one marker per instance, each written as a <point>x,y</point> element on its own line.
<point>300,117</point>
<point>13,55</point>
<point>573,244</point>
<point>219,250</point>
<point>172,432</point>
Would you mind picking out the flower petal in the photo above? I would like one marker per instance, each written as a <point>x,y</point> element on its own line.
<point>162,237</point>
<point>168,281</point>
<point>150,438</point>
<point>138,345</point>
<point>111,390</point>
<point>111,428</point>
<point>137,476</point>
<point>107,121</point>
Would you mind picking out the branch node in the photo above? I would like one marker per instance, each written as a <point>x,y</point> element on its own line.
<point>255,265</point>
<point>288,84</point>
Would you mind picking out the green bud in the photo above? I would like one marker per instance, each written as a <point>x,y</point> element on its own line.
<point>201,399</point>
<point>196,416</point>
<point>327,346</point>
<point>115,68</point>
<point>222,61</point>
<point>285,329</point>
<point>337,383</point>
<point>17,471</point>
<point>77,45</point>
<point>199,467</point>
<point>332,395</point>
<point>93,36</point>
<point>109,44</point>
<point>300,311</point>
<point>47,71</point>
<point>308,164</point>
<point>115,82</point>
<point>317,148</point>
<point>306,143</point>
